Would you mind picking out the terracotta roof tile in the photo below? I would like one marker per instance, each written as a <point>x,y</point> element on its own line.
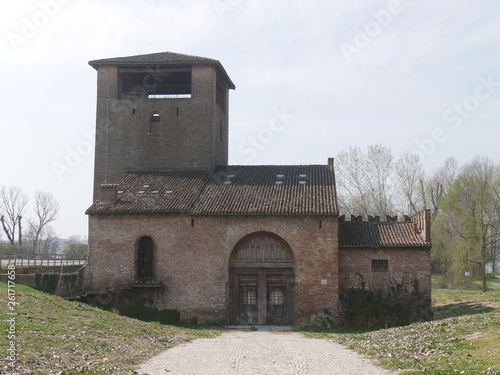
<point>269,190</point>
<point>379,234</point>
<point>233,190</point>
<point>154,192</point>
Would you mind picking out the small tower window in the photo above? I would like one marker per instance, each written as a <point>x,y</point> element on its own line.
<point>154,123</point>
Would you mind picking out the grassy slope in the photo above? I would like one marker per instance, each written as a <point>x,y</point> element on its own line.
<point>55,335</point>
<point>464,338</point>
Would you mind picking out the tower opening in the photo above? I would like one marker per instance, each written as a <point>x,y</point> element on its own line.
<point>154,83</point>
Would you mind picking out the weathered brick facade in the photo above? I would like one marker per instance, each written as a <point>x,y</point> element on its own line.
<point>172,222</point>
<point>192,259</point>
<point>405,266</point>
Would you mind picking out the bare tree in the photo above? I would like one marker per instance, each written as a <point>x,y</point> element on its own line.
<point>367,182</point>
<point>46,209</point>
<point>441,181</point>
<point>12,205</point>
<point>410,184</point>
<point>350,169</point>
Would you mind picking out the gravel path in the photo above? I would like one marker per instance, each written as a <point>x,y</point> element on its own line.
<point>260,352</point>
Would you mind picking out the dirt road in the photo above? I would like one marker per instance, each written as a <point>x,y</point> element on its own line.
<point>260,352</point>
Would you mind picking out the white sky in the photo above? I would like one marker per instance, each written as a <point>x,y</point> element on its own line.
<point>423,69</point>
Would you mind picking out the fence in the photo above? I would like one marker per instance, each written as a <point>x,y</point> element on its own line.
<point>20,260</point>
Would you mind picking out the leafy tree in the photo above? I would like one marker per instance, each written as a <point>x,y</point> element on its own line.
<point>472,207</point>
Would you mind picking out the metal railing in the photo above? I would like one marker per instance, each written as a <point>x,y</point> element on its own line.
<point>20,260</point>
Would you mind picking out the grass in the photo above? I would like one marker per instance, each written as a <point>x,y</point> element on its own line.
<point>54,335</point>
<point>463,339</point>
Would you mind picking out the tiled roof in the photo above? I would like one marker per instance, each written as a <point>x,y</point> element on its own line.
<point>154,192</point>
<point>162,58</point>
<point>269,190</point>
<point>154,58</point>
<point>233,190</point>
<point>357,234</point>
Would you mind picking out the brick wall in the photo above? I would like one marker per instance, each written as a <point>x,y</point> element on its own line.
<point>404,265</point>
<point>186,136</point>
<point>192,258</point>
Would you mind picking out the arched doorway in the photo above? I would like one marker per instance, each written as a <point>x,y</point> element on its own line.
<point>262,280</point>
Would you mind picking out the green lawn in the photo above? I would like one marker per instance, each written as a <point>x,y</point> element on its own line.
<point>54,335</point>
<point>464,338</point>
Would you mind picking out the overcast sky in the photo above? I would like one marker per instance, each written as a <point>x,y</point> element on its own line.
<point>312,78</point>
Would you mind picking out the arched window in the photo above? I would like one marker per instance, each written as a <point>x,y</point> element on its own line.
<point>154,123</point>
<point>155,117</point>
<point>145,258</point>
<point>262,248</point>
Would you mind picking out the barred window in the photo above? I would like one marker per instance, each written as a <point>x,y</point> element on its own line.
<point>276,298</point>
<point>380,265</point>
<point>249,297</point>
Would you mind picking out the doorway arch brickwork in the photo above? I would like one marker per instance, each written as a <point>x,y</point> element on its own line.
<point>262,281</point>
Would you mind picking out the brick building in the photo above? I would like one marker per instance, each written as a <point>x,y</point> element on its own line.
<point>174,223</point>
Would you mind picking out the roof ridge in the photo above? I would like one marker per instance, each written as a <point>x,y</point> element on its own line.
<point>168,56</point>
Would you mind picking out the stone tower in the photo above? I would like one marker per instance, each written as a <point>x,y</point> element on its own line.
<point>159,111</point>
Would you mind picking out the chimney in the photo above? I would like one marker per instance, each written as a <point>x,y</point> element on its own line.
<point>330,164</point>
<point>109,193</point>
<point>422,224</point>
<point>427,225</point>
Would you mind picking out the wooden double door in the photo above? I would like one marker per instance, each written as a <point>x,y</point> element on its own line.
<point>262,296</point>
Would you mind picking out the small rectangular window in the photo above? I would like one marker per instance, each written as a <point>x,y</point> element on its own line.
<point>380,265</point>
